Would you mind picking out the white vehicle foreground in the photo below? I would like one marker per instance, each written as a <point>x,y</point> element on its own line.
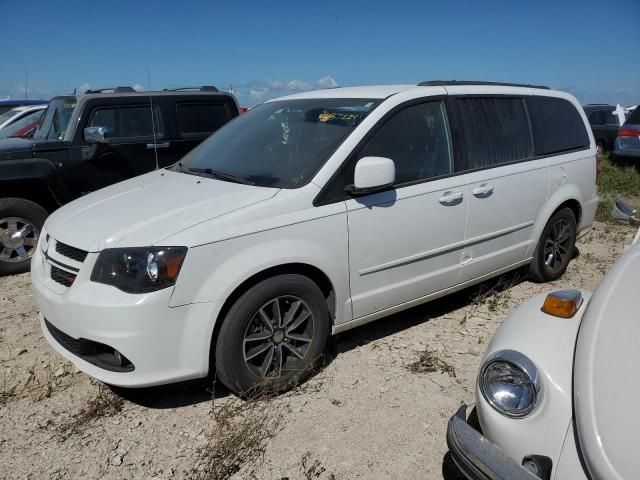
<point>309,215</point>
<point>555,385</point>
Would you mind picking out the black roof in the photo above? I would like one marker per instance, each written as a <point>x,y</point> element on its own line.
<point>444,83</point>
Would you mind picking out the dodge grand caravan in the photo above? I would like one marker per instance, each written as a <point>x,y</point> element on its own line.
<point>307,216</point>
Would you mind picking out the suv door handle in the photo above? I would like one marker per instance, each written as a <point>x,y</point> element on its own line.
<point>483,190</point>
<point>158,145</point>
<point>450,198</point>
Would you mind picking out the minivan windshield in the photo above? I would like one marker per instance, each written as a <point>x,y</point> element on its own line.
<point>279,144</point>
<point>56,119</point>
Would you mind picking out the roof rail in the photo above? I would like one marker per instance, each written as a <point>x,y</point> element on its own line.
<point>112,90</point>
<point>443,83</point>
<point>203,88</point>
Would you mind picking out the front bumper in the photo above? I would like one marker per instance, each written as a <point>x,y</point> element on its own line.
<point>165,344</point>
<point>478,458</point>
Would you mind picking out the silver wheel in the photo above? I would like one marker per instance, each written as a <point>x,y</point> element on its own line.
<point>18,239</point>
<point>278,337</point>
<point>557,246</point>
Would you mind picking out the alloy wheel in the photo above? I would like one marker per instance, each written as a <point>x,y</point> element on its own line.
<point>557,246</point>
<point>18,239</point>
<point>278,337</point>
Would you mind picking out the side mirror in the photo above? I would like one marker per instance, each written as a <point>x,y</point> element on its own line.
<point>625,212</point>
<point>96,134</point>
<point>372,174</point>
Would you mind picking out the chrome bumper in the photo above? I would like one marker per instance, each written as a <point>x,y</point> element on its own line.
<point>478,458</point>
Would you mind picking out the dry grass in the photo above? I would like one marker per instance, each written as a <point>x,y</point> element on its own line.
<point>429,362</point>
<point>238,440</point>
<point>104,404</point>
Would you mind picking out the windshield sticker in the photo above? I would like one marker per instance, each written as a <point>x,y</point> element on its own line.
<point>69,106</point>
<point>342,116</point>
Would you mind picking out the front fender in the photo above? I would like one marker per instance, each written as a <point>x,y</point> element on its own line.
<point>39,170</point>
<point>212,272</point>
<point>549,342</point>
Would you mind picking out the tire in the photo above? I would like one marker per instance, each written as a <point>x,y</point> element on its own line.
<point>600,147</point>
<point>555,248</point>
<point>22,216</point>
<point>252,358</point>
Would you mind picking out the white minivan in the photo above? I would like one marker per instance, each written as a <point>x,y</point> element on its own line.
<point>309,215</point>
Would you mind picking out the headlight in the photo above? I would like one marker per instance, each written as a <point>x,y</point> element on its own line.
<point>509,382</point>
<point>139,269</point>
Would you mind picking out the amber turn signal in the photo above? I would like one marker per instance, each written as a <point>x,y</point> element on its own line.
<point>562,303</point>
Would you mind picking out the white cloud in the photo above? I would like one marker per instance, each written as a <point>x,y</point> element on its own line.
<point>83,88</point>
<point>298,85</point>
<point>138,88</point>
<point>327,82</point>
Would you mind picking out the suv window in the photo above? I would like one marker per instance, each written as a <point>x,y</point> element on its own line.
<point>200,118</point>
<point>596,118</point>
<point>609,117</point>
<point>491,131</point>
<point>128,121</point>
<point>557,125</point>
<point>416,140</point>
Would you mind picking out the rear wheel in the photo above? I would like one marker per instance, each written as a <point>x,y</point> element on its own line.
<point>555,248</point>
<point>272,336</point>
<point>21,222</point>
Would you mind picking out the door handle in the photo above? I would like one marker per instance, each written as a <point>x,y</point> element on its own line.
<point>483,190</point>
<point>450,198</point>
<point>158,145</point>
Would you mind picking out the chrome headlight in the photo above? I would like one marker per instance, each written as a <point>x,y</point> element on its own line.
<point>139,269</point>
<point>509,382</point>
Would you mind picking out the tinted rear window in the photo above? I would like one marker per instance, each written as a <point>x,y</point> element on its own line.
<point>634,118</point>
<point>557,125</point>
<point>490,131</point>
<point>201,117</point>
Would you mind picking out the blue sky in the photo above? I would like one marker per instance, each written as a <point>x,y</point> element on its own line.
<point>267,49</point>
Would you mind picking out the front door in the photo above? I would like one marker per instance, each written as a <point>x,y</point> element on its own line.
<point>406,243</point>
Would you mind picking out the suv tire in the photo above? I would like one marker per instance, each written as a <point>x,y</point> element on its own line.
<point>272,336</point>
<point>555,248</point>
<point>21,222</point>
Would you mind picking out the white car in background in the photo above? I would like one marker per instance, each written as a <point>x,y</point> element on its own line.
<point>309,215</point>
<point>557,385</point>
<point>20,115</point>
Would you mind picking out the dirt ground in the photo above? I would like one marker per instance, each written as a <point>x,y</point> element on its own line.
<point>378,409</point>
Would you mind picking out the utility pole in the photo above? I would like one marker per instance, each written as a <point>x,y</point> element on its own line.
<point>26,84</point>
<point>148,75</point>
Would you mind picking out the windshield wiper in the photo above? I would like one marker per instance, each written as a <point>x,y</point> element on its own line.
<point>219,175</point>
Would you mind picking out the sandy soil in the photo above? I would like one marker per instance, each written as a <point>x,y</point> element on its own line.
<point>365,415</point>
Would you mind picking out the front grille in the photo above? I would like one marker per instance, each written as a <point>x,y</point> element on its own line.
<point>71,252</point>
<point>61,276</point>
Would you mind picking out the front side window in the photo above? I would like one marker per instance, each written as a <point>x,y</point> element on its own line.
<point>128,121</point>
<point>491,131</point>
<point>416,140</point>
<point>56,119</point>
<point>278,144</point>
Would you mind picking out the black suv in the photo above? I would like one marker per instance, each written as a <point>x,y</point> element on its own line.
<point>87,142</point>
<point>604,125</point>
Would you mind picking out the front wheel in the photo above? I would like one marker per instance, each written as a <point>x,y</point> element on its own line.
<point>272,336</point>
<point>555,247</point>
<point>21,222</point>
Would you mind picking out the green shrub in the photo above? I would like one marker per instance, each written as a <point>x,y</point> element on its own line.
<point>616,183</point>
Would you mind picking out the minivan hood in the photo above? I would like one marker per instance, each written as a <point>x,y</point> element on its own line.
<point>607,372</point>
<point>144,210</point>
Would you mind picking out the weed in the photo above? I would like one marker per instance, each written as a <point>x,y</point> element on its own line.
<point>104,404</point>
<point>429,362</point>
<point>615,182</point>
<point>336,403</point>
<point>240,435</point>
<point>7,391</point>
<point>313,470</point>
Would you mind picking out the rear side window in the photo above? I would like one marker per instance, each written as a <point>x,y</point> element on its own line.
<point>490,132</point>
<point>200,118</point>
<point>634,118</point>
<point>609,117</point>
<point>596,118</point>
<point>128,121</point>
<point>416,140</point>
<point>557,125</point>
